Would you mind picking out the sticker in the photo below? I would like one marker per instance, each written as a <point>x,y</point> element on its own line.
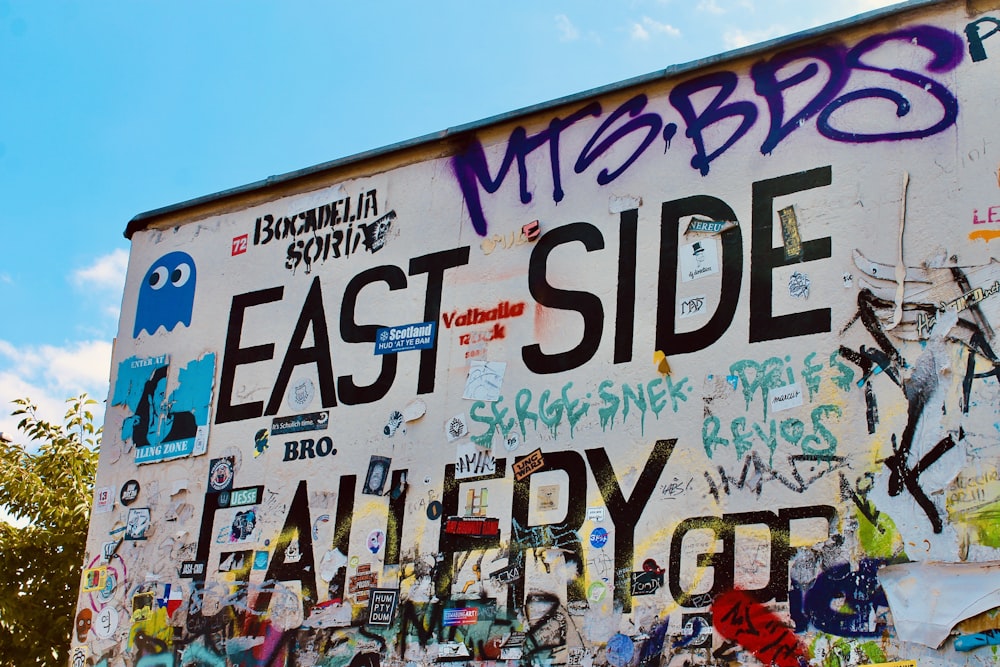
<point>473,461</point>
<point>484,380</point>
<point>595,514</point>
<point>548,498</point>
<point>239,245</point>
<point>106,622</point>
<point>790,233</point>
<point>94,579</point>
<point>460,616</point>
<point>192,568</point>
<point>532,230</point>
<point>243,525</point>
<point>406,337</point>
<point>129,492</point>
<point>104,500</point>
<point>137,524</point>
<point>472,526</point>
<point>166,294</point>
<point>260,560</point>
<point>378,472</point>
<point>382,605</point>
<point>456,428</point>
<point>84,620</point>
<point>646,582</point>
<point>507,575</point>
<point>434,510</point>
<point>165,425</point>
<point>697,628</point>
<point>260,442</point>
<point>394,422</point>
<point>596,591</point>
<point>598,537</point>
<point>110,586</point>
<point>691,306</point>
<point>310,421</point>
<point>526,465</point>
<point>703,226</point>
<point>619,650</point>
<point>798,286</point>
<point>376,539</point>
<point>511,442</point>
<point>300,395</point>
<point>362,583</point>
<point>784,398</point>
<point>220,474</point>
<point>698,260</point>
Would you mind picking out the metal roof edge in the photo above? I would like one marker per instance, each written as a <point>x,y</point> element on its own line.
<point>143,220</point>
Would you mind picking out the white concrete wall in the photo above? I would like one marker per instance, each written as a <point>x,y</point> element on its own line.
<point>823,426</point>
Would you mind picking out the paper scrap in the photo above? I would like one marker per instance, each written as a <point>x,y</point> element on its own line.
<point>484,381</point>
<point>709,226</point>
<point>415,409</point>
<point>928,599</point>
<point>784,398</point>
<point>900,272</point>
<point>619,203</point>
<point>660,361</point>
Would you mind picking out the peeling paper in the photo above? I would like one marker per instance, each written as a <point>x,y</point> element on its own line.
<point>415,409</point>
<point>619,203</point>
<point>928,599</point>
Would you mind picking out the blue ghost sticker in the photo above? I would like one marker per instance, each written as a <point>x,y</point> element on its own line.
<point>166,295</point>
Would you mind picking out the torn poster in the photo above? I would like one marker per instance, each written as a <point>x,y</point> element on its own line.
<point>164,426</point>
<point>928,599</point>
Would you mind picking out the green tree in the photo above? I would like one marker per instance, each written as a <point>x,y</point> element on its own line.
<point>47,483</point>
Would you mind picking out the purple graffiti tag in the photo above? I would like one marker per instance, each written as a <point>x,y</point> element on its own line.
<point>947,52</point>
<point>651,121</point>
<point>473,171</point>
<point>772,89</point>
<point>716,111</point>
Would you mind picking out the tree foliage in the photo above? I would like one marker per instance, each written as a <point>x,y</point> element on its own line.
<point>47,483</point>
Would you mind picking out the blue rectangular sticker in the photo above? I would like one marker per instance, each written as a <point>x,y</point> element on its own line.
<point>405,337</point>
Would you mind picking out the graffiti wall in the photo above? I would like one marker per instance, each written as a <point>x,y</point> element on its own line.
<point>696,371</point>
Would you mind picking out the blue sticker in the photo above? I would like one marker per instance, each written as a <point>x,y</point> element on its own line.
<point>418,336</point>
<point>619,650</point>
<point>165,425</point>
<point>166,295</point>
<point>598,537</point>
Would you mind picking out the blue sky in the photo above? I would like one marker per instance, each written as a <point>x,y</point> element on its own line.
<point>117,107</point>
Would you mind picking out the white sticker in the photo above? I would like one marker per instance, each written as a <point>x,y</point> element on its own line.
<point>784,398</point>
<point>699,259</point>
<point>456,428</point>
<point>104,499</point>
<point>301,394</point>
<point>473,461</point>
<point>106,622</point>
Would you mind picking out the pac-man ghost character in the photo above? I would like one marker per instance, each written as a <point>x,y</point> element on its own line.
<point>166,295</point>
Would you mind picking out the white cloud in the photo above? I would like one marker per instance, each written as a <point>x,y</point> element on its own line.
<point>735,38</point>
<point>48,375</point>
<point>648,27</point>
<point>567,31</point>
<point>710,7</point>
<point>106,273</point>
